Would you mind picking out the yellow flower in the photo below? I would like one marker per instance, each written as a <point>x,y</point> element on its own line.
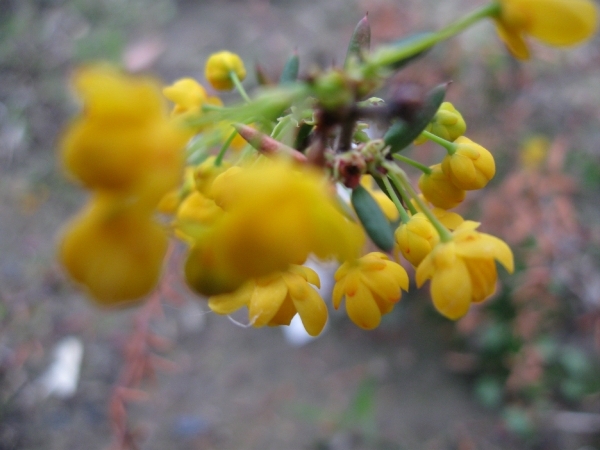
<point>438,189</point>
<point>448,123</point>
<point>371,286</point>
<point>416,238</point>
<point>123,142</point>
<point>471,167</point>
<point>220,65</point>
<point>277,298</point>
<point>463,270</point>
<point>554,22</point>
<point>115,250</point>
<point>277,215</point>
<point>196,216</point>
<point>206,173</point>
<point>187,94</point>
<point>207,272</point>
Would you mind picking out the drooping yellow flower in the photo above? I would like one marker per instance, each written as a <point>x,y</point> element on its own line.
<point>371,285</point>
<point>448,123</point>
<point>463,270</point>
<point>438,189</point>
<point>471,166</point>
<point>220,65</point>
<point>123,142</point>
<point>114,250</point>
<point>554,22</point>
<point>416,238</point>
<point>277,215</point>
<point>277,298</point>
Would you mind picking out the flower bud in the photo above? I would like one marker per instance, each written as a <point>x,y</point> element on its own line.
<point>416,238</point>
<point>438,189</point>
<point>187,94</point>
<point>448,124</point>
<point>471,167</point>
<point>220,65</point>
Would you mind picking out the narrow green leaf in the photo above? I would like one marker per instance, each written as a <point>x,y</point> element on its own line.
<point>401,134</point>
<point>290,70</point>
<point>372,218</point>
<point>360,42</point>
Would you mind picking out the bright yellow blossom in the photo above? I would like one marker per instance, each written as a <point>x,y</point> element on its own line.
<point>448,123</point>
<point>277,215</point>
<point>371,285</point>
<point>438,189</point>
<point>123,142</point>
<point>554,22</point>
<point>471,166</point>
<point>463,270</point>
<point>416,238</point>
<point>220,65</point>
<point>187,94</point>
<point>196,216</point>
<point>275,300</point>
<point>116,251</point>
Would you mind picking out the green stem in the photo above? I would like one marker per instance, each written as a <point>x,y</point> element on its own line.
<point>390,55</point>
<point>422,167</point>
<point>392,176</point>
<point>404,217</point>
<point>445,235</point>
<point>449,146</point>
<point>238,85</point>
<point>223,150</point>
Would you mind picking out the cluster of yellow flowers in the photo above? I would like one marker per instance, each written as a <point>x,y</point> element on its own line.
<point>250,220</point>
<point>126,150</point>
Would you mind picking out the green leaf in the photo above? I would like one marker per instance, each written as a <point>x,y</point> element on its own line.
<point>359,42</point>
<point>372,218</point>
<point>290,70</point>
<point>401,134</point>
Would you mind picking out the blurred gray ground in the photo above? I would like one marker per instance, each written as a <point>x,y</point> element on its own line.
<point>236,388</point>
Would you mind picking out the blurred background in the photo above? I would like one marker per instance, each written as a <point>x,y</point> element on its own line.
<point>520,371</point>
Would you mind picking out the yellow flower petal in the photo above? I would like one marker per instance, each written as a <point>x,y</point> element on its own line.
<point>229,303</point>
<point>487,246</point>
<point>451,290</point>
<point>362,308</point>
<point>266,301</point>
<point>561,22</point>
<point>312,311</point>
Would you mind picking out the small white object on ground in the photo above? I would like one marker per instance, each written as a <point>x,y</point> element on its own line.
<point>61,378</point>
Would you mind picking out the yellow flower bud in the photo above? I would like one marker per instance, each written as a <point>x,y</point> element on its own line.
<point>471,167</point>
<point>220,65</point>
<point>114,250</point>
<point>447,123</point>
<point>439,190</point>
<point>416,238</point>
<point>187,94</point>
